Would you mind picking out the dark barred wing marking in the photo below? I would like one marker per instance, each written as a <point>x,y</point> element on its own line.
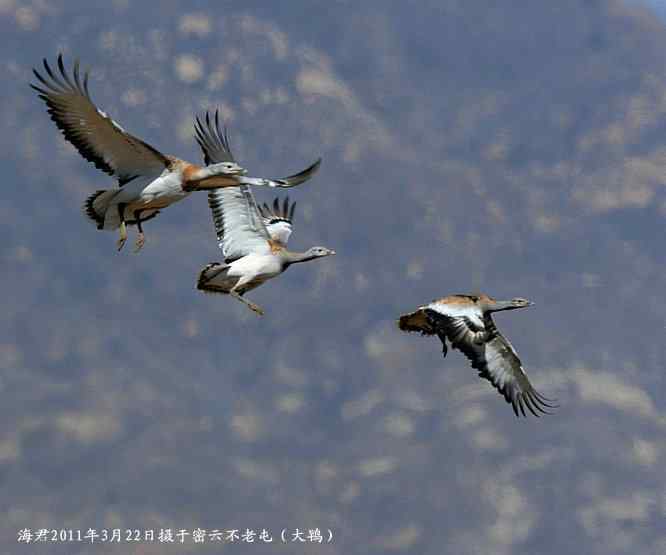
<point>97,137</point>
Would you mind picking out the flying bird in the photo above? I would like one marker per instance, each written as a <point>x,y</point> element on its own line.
<point>148,181</point>
<point>466,322</point>
<point>253,239</point>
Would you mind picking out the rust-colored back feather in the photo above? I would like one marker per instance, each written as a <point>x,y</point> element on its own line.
<point>417,322</point>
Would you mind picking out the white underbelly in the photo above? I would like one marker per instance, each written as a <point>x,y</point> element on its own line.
<point>152,194</point>
<point>256,265</point>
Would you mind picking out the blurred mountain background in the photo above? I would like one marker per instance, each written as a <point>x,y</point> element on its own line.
<point>515,148</point>
<point>658,5</point>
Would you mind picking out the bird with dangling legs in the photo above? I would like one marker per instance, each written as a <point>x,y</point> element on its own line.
<point>148,180</point>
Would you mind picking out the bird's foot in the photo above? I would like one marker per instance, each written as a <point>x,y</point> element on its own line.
<point>255,308</point>
<point>122,229</point>
<point>247,303</point>
<point>140,241</point>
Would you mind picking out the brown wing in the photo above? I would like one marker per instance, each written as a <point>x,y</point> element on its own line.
<point>97,137</point>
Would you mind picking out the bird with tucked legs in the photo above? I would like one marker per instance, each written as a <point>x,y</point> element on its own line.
<point>148,181</point>
<point>253,239</point>
<point>466,322</point>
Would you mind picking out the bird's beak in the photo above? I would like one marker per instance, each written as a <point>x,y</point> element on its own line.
<point>332,253</point>
<point>237,169</point>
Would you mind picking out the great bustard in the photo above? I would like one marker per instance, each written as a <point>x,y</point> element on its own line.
<point>466,321</point>
<point>147,179</point>
<point>253,240</point>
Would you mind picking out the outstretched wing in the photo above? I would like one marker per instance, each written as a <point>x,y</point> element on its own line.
<point>282,182</point>
<point>213,141</point>
<point>297,178</point>
<point>238,225</point>
<point>497,361</point>
<point>278,220</point>
<point>97,137</point>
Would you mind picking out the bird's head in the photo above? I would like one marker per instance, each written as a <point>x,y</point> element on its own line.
<point>519,302</point>
<point>491,305</point>
<point>318,252</point>
<point>232,168</point>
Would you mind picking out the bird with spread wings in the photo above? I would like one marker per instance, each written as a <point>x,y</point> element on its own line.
<point>253,239</point>
<point>148,180</point>
<point>466,322</point>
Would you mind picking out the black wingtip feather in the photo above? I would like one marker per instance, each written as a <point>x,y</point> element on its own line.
<point>52,75</point>
<point>521,405</point>
<point>300,177</point>
<point>277,212</point>
<point>85,83</point>
<point>65,76</point>
<point>90,212</point>
<point>211,139</point>
<point>41,92</point>
<point>546,401</point>
<point>532,408</point>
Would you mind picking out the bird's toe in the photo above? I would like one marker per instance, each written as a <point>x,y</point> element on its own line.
<point>140,241</point>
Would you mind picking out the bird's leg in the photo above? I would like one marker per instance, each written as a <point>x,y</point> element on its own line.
<point>123,226</point>
<point>438,328</point>
<point>140,238</point>
<point>250,305</point>
<point>442,338</point>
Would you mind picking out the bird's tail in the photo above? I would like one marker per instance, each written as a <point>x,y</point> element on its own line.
<point>97,204</point>
<point>212,278</point>
<point>416,321</point>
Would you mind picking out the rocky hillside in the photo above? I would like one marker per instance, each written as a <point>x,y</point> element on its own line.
<point>513,148</point>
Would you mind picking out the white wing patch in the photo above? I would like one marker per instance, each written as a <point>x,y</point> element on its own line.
<point>279,231</point>
<point>278,219</point>
<point>471,313</point>
<point>239,228</point>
